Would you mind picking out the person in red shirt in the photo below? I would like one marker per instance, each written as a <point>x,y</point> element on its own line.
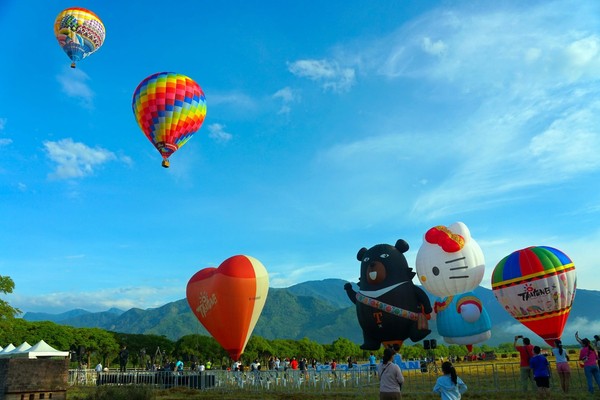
<point>294,363</point>
<point>525,353</point>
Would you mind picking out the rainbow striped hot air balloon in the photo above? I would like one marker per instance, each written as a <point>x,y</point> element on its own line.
<point>79,32</point>
<point>537,286</point>
<point>229,300</point>
<point>169,108</point>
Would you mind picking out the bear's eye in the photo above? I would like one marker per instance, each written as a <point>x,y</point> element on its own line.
<point>384,255</point>
<point>436,271</point>
<point>366,259</point>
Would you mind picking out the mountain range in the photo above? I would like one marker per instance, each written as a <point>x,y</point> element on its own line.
<point>317,310</point>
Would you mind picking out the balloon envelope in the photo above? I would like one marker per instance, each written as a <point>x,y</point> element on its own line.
<point>228,300</point>
<point>79,32</point>
<point>169,108</point>
<point>537,286</point>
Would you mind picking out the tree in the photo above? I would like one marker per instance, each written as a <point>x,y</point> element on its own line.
<point>341,348</point>
<point>6,286</point>
<point>258,347</point>
<point>310,349</point>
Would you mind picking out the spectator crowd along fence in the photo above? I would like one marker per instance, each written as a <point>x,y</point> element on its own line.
<point>479,376</point>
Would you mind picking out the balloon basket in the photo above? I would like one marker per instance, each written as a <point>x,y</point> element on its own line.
<point>165,163</point>
<point>72,65</point>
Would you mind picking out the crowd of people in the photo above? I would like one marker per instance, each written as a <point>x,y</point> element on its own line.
<point>535,368</point>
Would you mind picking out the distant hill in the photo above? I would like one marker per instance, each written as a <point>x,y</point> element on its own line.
<point>318,310</point>
<point>76,315</point>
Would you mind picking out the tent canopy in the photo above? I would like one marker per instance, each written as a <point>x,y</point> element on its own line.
<point>39,350</point>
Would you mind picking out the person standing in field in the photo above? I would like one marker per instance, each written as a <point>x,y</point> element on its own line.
<point>541,372</point>
<point>373,363</point>
<point>525,353</point>
<point>449,385</point>
<point>590,367</point>
<point>562,366</point>
<point>390,377</point>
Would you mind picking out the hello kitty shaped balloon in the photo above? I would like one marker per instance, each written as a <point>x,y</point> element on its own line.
<point>450,264</point>
<point>450,261</point>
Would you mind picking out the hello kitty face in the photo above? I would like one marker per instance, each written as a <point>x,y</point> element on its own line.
<point>449,261</point>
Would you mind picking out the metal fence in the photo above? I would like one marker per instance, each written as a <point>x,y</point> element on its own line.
<point>479,376</point>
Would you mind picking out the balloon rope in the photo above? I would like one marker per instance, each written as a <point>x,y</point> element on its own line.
<point>400,312</point>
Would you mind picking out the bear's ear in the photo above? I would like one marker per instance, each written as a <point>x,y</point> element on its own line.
<point>361,254</point>
<point>401,245</point>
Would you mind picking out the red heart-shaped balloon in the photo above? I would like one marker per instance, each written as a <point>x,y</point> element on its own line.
<point>228,300</point>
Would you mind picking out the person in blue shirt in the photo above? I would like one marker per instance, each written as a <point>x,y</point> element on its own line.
<point>541,372</point>
<point>373,363</point>
<point>449,385</point>
<point>179,366</point>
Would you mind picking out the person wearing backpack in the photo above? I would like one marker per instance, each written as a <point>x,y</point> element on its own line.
<point>525,353</point>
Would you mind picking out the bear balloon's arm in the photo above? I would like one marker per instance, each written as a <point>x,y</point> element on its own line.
<point>423,300</point>
<point>350,292</point>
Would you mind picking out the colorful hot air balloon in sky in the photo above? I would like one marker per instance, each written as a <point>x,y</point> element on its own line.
<point>537,286</point>
<point>228,300</point>
<point>79,32</point>
<point>169,108</point>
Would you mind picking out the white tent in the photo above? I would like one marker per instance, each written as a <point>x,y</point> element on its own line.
<point>8,348</point>
<point>16,351</point>
<point>39,350</point>
<point>43,349</point>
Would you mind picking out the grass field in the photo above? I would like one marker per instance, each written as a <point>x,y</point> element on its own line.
<point>485,380</point>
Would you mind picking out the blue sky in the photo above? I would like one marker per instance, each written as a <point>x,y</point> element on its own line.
<point>330,126</point>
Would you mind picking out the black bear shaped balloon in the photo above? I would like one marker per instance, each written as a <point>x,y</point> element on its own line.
<point>390,308</point>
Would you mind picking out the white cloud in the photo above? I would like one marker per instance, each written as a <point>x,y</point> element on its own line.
<point>491,47</point>
<point>330,74</point>
<point>74,159</point>
<point>537,122</point>
<point>434,48</point>
<point>583,57</point>
<point>571,144</point>
<point>4,141</point>
<point>287,96</point>
<point>74,84</point>
<point>289,275</point>
<point>123,298</point>
<point>217,133</point>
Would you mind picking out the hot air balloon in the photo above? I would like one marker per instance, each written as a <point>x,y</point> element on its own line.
<point>536,285</point>
<point>169,108</point>
<point>228,300</point>
<point>79,32</point>
<point>450,264</point>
